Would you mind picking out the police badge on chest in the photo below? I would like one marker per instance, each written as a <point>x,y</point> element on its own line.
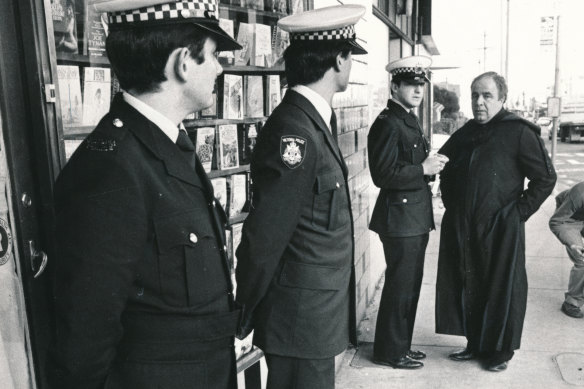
<point>292,150</point>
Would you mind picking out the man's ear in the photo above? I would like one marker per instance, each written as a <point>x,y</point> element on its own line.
<point>180,63</point>
<point>339,60</point>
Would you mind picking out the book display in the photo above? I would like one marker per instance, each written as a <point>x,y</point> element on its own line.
<point>224,134</point>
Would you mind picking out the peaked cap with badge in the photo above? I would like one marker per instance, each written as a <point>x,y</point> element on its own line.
<point>128,14</point>
<point>335,23</point>
<point>413,69</point>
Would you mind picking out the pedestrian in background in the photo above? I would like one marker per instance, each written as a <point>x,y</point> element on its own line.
<point>481,290</point>
<point>143,294</point>
<point>567,223</point>
<point>295,259</point>
<point>401,166</point>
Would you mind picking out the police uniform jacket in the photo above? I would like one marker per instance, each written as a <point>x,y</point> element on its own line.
<point>296,253</point>
<point>140,259</point>
<point>397,148</point>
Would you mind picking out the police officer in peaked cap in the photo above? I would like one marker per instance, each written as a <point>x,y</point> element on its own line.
<point>142,290</point>
<point>296,254</point>
<point>401,167</point>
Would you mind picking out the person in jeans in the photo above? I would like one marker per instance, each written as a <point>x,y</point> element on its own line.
<point>567,223</point>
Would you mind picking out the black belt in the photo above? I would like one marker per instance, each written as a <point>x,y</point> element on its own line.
<point>145,327</point>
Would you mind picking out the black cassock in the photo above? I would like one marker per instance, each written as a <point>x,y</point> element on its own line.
<point>481,290</point>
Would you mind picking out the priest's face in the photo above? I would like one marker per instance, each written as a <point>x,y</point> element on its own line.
<point>486,101</point>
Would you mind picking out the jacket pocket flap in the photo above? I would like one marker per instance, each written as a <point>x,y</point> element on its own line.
<point>184,229</point>
<point>305,276</point>
<point>406,197</point>
<point>329,181</point>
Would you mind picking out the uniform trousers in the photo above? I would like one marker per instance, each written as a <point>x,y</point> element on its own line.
<point>297,373</point>
<point>399,299</point>
<point>575,294</point>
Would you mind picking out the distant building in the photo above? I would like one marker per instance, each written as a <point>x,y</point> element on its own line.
<point>455,88</point>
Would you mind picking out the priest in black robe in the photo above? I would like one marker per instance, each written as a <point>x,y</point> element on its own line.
<point>481,290</point>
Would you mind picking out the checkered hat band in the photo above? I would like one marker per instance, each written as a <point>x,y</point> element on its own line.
<point>347,32</point>
<point>185,9</point>
<point>408,70</point>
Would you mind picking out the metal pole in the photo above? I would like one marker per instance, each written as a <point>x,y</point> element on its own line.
<point>556,89</point>
<point>507,43</point>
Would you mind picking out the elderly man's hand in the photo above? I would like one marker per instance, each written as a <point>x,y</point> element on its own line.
<point>577,252</point>
<point>434,164</point>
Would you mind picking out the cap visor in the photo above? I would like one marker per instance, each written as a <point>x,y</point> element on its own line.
<point>222,39</point>
<point>357,48</point>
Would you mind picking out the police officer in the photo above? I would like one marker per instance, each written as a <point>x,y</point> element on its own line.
<point>296,254</point>
<point>403,217</point>
<point>143,297</point>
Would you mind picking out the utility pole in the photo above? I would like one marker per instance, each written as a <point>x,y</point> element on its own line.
<point>507,42</point>
<point>556,89</point>
<point>484,51</point>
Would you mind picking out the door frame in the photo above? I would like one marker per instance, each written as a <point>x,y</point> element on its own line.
<point>33,158</point>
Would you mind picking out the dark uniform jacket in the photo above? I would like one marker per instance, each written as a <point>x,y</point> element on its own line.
<point>397,148</point>
<point>296,253</point>
<point>140,259</point>
<point>481,288</point>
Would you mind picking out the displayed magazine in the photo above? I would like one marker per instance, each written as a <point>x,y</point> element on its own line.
<point>228,157</point>
<point>204,146</point>
<point>254,96</point>
<point>96,94</point>
<point>70,95</point>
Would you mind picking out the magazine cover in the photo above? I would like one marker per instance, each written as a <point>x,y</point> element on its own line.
<point>70,95</point>
<point>237,194</point>
<point>245,37</point>
<point>232,96</point>
<point>220,190</point>
<point>254,96</point>
<point>64,25</point>
<point>228,154</point>
<point>96,94</point>
<point>262,47</point>
<point>204,146</point>
<point>94,34</point>
<point>273,93</point>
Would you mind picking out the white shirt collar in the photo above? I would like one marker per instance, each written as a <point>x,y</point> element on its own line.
<point>164,123</point>
<point>401,105</point>
<point>321,105</point>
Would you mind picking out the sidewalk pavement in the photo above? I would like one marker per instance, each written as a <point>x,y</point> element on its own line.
<point>552,347</point>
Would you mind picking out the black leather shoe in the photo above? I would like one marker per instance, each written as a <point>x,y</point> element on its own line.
<point>462,355</point>
<point>400,363</point>
<point>497,367</point>
<point>572,310</point>
<point>415,354</point>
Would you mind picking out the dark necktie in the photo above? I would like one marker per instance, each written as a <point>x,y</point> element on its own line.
<point>185,144</point>
<point>334,126</point>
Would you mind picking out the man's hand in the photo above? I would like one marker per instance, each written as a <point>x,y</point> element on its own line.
<point>434,164</point>
<point>577,252</point>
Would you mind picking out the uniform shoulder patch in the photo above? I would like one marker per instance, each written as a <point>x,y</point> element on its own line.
<point>292,150</point>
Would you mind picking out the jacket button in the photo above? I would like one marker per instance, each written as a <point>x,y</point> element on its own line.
<point>193,238</point>
<point>415,146</point>
<point>118,123</point>
<point>224,248</point>
<point>213,203</point>
<point>338,185</point>
<point>405,200</point>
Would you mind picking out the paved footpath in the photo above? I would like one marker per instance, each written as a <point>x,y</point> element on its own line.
<point>552,351</point>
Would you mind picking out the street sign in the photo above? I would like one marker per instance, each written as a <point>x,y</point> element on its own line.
<point>553,106</point>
